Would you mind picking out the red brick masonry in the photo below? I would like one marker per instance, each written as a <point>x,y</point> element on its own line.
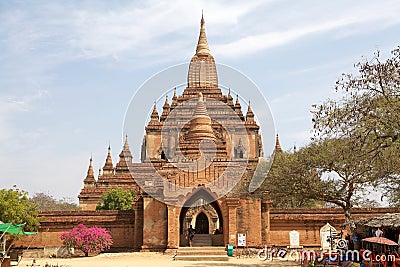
<point>121,225</point>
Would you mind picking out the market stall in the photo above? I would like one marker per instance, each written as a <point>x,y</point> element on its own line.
<point>7,230</point>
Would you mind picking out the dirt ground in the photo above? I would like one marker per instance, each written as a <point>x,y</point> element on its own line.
<point>146,259</point>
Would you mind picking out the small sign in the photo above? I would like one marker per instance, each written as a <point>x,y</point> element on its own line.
<point>326,233</point>
<point>294,239</point>
<point>148,183</point>
<point>241,240</point>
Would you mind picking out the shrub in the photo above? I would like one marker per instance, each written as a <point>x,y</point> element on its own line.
<point>88,240</point>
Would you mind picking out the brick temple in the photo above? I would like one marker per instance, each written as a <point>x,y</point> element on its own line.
<point>197,158</point>
<point>196,161</point>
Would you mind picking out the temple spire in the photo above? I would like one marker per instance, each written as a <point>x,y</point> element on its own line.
<point>166,109</point>
<point>174,99</point>
<point>249,114</point>
<point>202,75</point>
<point>229,98</point>
<point>108,166</point>
<point>90,170</point>
<point>154,114</point>
<point>238,108</point>
<point>126,145</point>
<point>90,180</point>
<point>109,159</point>
<point>125,157</point>
<point>202,45</point>
<point>166,103</point>
<point>237,103</point>
<point>278,148</point>
<point>126,151</point>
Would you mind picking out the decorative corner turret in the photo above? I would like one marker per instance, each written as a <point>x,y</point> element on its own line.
<point>229,98</point>
<point>249,114</point>
<point>166,110</point>
<point>278,148</point>
<point>154,115</point>
<point>238,108</point>
<point>108,166</point>
<point>174,100</point>
<point>90,181</point>
<point>125,157</point>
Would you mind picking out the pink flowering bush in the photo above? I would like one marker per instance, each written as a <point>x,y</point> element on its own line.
<point>88,240</point>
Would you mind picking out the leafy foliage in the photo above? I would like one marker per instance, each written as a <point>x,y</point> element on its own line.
<point>284,183</point>
<point>16,207</point>
<point>392,188</point>
<point>368,114</point>
<point>48,203</point>
<point>332,171</point>
<point>341,172</point>
<point>88,240</point>
<point>116,199</point>
<point>369,110</point>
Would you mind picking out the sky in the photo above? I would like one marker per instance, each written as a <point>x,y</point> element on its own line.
<point>68,69</point>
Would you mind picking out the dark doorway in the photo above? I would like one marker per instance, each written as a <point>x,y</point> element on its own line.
<point>202,225</point>
<point>204,221</point>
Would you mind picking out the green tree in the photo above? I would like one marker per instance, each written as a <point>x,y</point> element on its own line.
<point>16,207</point>
<point>394,195</point>
<point>368,113</point>
<point>329,171</point>
<point>284,183</point>
<point>48,203</point>
<point>369,110</point>
<point>116,199</point>
<point>342,173</point>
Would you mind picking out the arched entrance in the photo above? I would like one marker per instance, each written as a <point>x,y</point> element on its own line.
<point>202,224</point>
<point>205,216</point>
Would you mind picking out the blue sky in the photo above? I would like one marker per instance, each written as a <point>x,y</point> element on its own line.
<point>68,69</point>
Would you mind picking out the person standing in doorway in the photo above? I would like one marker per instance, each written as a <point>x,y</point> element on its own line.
<point>191,232</point>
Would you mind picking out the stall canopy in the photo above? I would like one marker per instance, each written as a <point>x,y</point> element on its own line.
<point>392,220</point>
<point>380,240</point>
<point>16,229</point>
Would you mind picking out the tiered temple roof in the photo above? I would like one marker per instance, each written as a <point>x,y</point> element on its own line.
<point>201,118</point>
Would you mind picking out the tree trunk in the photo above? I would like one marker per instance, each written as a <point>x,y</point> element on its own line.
<point>350,219</point>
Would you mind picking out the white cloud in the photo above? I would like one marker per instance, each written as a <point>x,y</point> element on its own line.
<point>256,43</point>
<point>64,32</point>
<point>144,31</point>
<point>38,38</point>
<point>12,106</point>
<point>355,19</point>
<point>24,103</point>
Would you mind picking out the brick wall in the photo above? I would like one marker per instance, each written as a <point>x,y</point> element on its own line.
<point>121,225</point>
<point>309,221</point>
<point>52,224</point>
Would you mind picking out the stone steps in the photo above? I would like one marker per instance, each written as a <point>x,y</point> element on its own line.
<point>201,254</point>
<point>190,253</point>
<point>201,240</point>
<point>209,248</point>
